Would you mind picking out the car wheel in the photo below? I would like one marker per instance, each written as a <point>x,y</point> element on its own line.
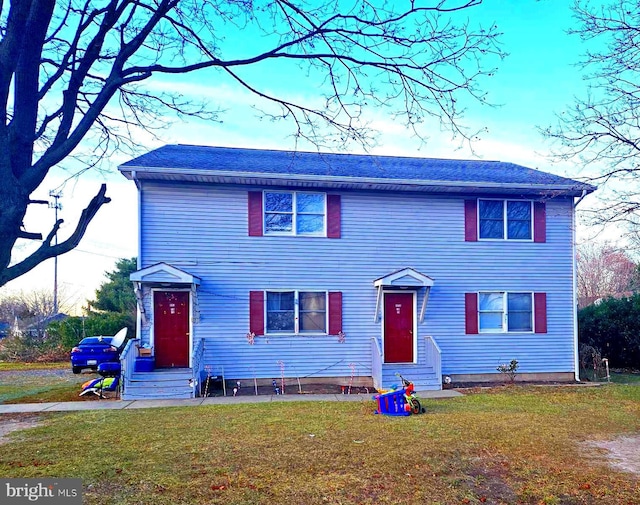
<point>76,369</point>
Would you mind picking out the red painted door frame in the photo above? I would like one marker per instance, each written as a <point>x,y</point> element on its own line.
<point>399,327</point>
<point>171,328</point>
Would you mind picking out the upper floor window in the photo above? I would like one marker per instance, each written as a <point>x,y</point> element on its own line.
<point>510,219</point>
<point>500,311</point>
<point>294,213</point>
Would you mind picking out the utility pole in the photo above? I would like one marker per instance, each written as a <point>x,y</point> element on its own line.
<point>56,195</point>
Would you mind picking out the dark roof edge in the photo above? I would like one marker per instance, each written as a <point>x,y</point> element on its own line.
<point>294,153</point>
<point>227,176</point>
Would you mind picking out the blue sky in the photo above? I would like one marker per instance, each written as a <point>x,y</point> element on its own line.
<point>537,80</point>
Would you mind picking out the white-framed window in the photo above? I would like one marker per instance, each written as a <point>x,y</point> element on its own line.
<point>505,219</point>
<point>295,213</point>
<point>501,311</point>
<point>302,312</point>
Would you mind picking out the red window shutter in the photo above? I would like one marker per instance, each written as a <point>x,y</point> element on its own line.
<point>256,312</point>
<point>333,216</point>
<point>539,222</point>
<point>540,316</point>
<point>471,221</point>
<point>255,213</point>
<point>335,312</point>
<point>471,313</point>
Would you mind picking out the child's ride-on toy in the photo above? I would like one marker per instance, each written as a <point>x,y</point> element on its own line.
<point>412,403</point>
<point>402,402</point>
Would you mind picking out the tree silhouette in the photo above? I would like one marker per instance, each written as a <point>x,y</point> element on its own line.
<point>74,71</point>
<point>602,129</point>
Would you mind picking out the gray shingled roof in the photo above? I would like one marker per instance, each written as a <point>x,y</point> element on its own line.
<point>257,166</point>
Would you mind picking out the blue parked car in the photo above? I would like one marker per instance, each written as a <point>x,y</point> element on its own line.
<point>92,351</point>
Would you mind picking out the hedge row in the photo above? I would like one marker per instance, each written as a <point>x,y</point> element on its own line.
<point>613,327</point>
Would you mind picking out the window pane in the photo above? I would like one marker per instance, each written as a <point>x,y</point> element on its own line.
<point>519,301</point>
<point>280,301</point>
<point>313,321</point>
<point>309,223</point>
<point>519,220</point>
<point>310,203</point>
<point>519,315</point>
<point>280,312</point>
<point>491,301</point>
<point>278,222</point>
<point>280,202</point>
<point>519,210</point>
<point>520,321</point>
<point>280,322</point>
<point>312,301</point>
<point>491,321</point>
<point>491,218</point>
<point>491,209</point>
<point>313,316</point>
<point>491,229</point>
<point>519,230</point>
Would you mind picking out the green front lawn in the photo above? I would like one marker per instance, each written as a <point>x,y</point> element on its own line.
<point>625,378</point>
<point>508,445</point>
<point>63,392</point>
<point>28,383</point>
<point>15,365</point>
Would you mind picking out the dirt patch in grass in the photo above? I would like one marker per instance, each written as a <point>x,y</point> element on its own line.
<point>15,422</point>
<point>622,453</point>
<point>488,482</point>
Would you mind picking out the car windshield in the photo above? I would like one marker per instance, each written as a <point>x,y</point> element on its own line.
<point>96,341</point>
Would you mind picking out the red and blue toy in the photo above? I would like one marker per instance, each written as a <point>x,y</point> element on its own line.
<point>402,402</point>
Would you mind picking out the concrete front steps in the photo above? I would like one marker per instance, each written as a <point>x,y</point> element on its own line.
<point>423,378</point>
<point>168,383</point>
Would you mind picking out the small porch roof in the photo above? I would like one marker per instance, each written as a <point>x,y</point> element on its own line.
<point>405,278</point>
<point>164,273</point>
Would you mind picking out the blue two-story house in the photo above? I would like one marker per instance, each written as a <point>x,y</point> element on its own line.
<point>258,264</point>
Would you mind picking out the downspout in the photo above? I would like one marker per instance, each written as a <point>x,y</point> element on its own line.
<point>584,193</point>
<point>576,357</point>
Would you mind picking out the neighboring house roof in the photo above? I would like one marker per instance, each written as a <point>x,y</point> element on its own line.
<point>344,171</point>
<point>47,320</point>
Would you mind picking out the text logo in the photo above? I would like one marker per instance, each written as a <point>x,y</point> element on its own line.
<point>44,491</point>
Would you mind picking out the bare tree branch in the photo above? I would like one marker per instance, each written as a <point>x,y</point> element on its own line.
<point>602,129</point>
<point>604,270</point>
<point>74,71</point>
<point>47,250</point>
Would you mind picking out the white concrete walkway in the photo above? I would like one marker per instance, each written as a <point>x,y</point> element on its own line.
<point>108,404</point>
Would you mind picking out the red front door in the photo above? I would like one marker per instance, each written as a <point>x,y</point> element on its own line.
<point>398,328</point>
<point>171,328</point>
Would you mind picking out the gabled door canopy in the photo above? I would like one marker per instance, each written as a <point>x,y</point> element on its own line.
<point>162,273</point>
<point>165,275</point>
<point>405,278</point>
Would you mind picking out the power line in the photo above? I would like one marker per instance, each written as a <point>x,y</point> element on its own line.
<point>99,254</point>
